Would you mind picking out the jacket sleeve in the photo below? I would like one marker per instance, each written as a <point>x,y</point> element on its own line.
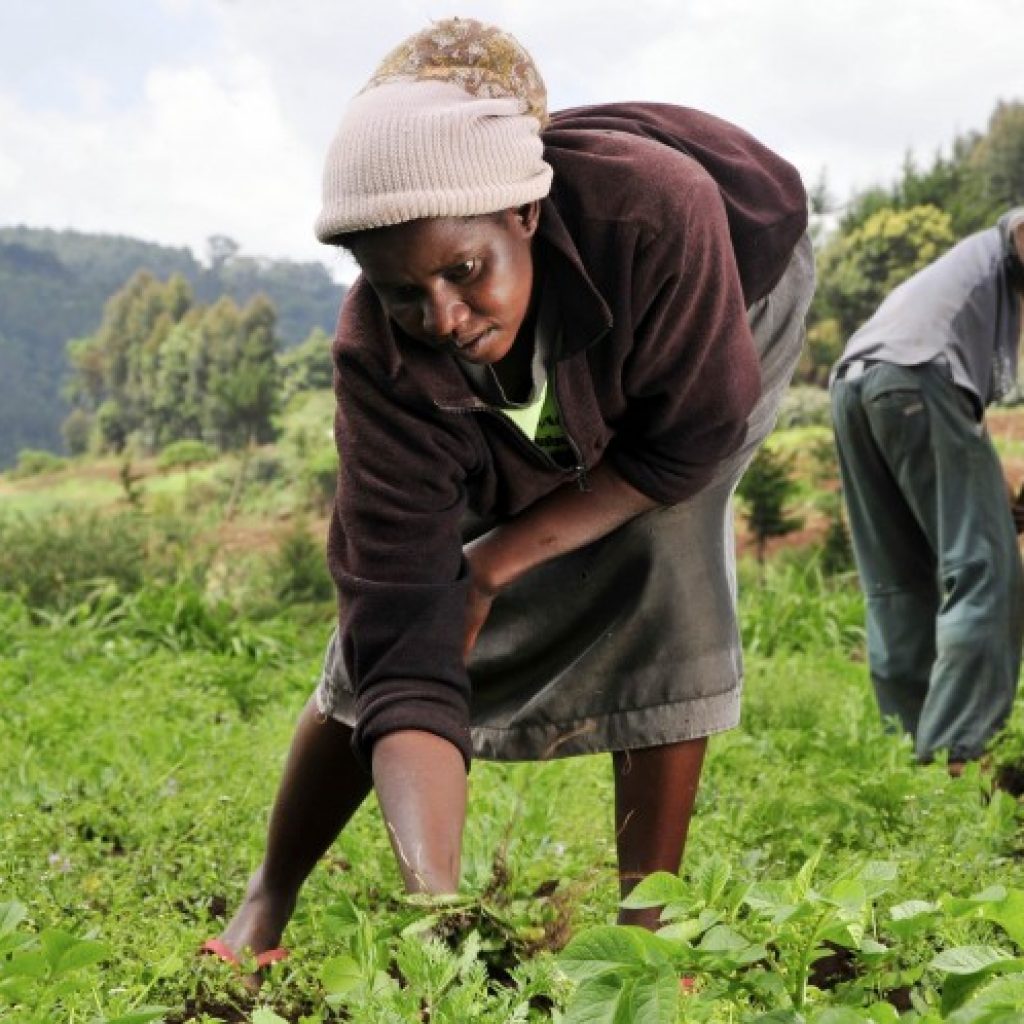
<point>395,549</point>
<point>693,376</point>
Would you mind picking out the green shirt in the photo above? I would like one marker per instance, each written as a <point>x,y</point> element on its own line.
<point>537,415</point>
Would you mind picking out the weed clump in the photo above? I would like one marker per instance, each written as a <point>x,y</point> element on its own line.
<point>35,462</point>
<point>51,560</point>
<point>182,454</point>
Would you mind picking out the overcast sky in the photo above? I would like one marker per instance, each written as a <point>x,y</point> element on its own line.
<point>172,120</point>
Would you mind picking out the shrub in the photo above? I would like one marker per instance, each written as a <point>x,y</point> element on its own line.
<point>34,462</point>
<point>76,431</point>
<point>265,468</point>
<point>320,476</point>
<point>186,453</point>
<point>299,569</point>
<point>805,406</point>
<point>51,560</point>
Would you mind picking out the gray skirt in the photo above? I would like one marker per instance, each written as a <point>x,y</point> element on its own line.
<point>633,640</point>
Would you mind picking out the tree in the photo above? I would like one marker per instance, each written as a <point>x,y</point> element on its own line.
<point>307,366</point>
<point>765,489</point>
<point>220,249</point>
<point>859,269</point>
<point>999,157</point>
<point>243,378</point>
<point>76,431</point>
<point>177,403</point>
<point>257,380</point>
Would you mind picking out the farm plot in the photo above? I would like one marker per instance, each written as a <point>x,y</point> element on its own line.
<point>827,879</point>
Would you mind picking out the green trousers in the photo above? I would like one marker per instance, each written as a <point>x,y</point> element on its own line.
<point>936,551</point>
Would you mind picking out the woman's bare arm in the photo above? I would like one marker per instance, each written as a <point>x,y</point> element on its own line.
<point>564,521</point>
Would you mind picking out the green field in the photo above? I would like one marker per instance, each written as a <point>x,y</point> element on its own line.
<point>145,720</point>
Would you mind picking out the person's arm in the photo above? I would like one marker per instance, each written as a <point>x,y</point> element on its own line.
<point>567,519</point>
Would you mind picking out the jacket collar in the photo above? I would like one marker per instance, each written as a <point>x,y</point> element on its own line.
<point>585,315</point>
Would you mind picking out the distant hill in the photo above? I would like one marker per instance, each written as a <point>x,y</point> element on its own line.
<point>53,285</point>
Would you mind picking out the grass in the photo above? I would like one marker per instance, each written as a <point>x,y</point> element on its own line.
<point>144,731</point>
<point>141,763</point>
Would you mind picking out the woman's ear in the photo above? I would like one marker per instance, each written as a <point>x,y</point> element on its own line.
<point>528,216</point>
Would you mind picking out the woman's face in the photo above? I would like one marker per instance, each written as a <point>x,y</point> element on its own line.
<point>459,283</point>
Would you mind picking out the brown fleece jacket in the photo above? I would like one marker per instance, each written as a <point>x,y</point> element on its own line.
<point>654,262</point>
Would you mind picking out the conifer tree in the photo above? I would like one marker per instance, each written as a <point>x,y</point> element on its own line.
<point>765,489</point>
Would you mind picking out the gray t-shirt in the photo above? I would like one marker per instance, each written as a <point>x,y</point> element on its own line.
<point>964,308</point>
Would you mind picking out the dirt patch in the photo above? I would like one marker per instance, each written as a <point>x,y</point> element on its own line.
<point>259,536</point>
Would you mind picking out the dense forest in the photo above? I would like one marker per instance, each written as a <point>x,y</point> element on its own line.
<point>53,289</point>
<point>118,340</point>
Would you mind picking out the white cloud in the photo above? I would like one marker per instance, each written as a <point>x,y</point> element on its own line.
<point>203,150</point>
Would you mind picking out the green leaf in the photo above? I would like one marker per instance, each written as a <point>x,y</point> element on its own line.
<point>340,974</point>
<point>342,916</point>
<point>264,1015</point>
<point>722,938</point>
<point>658,951</point>
<point>910,909</point>
<point>968,967</point>
<point>844,933</point>
<point>55,943</point>
<point>972,906</point>
<point>655,891</point>
<point>912,917</point>
<point>839,1015</point>
<point>711,877</point>
<point>878,876</point>
<point>883,1013</point>
<point>849,894</point>
<point>871,949</point>
<point>604,1000</point>
<point>655,998</point>
<point>11,915</point>
<point>1009,914</point>
<point>970,959</point>
<point>140,1015</point>
<point>599,950</point>
<point>84,953</point>
<point>801,885</point>
<point>682,931</point>
<point>1001,1002</point>
<point>25,965</point>
<point>17,990</point>
<point>997,903</point>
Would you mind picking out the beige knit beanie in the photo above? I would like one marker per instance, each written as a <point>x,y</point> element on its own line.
<point>448,126</point>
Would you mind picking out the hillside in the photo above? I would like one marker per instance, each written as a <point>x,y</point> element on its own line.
<point>53,285</point>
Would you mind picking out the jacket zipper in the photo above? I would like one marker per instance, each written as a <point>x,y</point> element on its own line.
<point>580,469</point>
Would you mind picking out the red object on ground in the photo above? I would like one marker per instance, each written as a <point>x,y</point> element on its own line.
<point>221,950</point>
